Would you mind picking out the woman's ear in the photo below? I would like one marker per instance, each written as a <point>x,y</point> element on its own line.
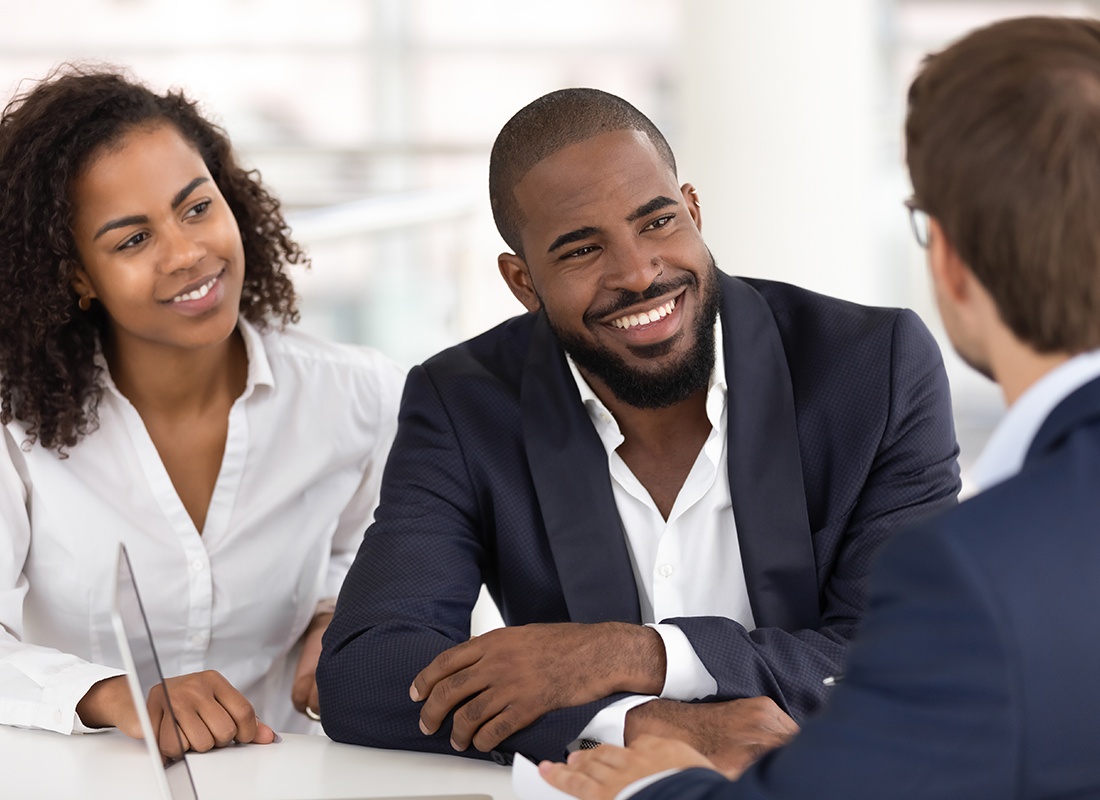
<point>515,273</point>
<point>81,284</point>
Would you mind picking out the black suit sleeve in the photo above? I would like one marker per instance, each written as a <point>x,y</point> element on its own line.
<point>913,474</point>
<point>926,708</point>
<point>410,592</point>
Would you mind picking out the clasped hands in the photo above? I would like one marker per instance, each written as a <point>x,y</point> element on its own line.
<point>210,712</point>
<point>726,737</point>
<point>502,681</point>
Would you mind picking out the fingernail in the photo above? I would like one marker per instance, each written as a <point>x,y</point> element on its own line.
<point>456,747</point>
<point>424,729</point>
<point>414,694</point>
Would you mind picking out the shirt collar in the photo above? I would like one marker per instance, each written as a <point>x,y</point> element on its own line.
<point>604,421</point>
<point>259,368</point>
<point>1004,454</point>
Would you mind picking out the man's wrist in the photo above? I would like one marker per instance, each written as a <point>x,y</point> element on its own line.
<point>639,657</point>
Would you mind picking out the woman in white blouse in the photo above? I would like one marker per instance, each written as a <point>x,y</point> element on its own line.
<point>150,393</point>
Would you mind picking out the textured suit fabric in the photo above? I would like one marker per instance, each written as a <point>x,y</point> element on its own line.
<point>839,431</point>
<point>975,675</point>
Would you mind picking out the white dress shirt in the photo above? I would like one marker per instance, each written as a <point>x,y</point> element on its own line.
<point>686,566</point>
<point>1007,447</point>
<point>298,485</point>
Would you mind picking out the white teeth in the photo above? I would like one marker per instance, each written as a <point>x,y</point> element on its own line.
<point>198,294</point>
<point>645,317</point>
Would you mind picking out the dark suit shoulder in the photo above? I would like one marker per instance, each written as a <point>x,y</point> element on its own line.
<point>807,317</point>
<point>498,355</point>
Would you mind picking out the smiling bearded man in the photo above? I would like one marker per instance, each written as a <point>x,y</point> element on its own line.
<point>671,481</point>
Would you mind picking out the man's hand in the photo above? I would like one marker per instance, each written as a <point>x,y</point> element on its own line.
<point>304,691</point>
<point>732,734</point>
<point>504,680</point>
<point>209,713</point>
<point>601,773</point>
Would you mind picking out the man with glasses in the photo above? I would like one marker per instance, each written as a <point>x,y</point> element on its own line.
<point>672,481</point>
<point>975,674</point>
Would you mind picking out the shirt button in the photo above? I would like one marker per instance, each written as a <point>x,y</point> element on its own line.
<point>665,570</point>
<point>198,639</point>
<point>197,565</point>
<point>57,716</point>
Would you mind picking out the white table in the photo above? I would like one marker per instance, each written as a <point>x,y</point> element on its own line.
<point>40,764</point>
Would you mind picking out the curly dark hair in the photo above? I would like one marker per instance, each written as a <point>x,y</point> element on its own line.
<point>48,376</point>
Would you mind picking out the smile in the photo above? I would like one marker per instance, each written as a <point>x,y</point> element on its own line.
<point>645,317</point>
<point>196,294</point>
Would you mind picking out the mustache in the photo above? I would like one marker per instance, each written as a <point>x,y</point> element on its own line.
<point>625,299</point>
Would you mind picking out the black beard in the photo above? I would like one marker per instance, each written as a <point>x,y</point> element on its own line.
<point>641,388</point>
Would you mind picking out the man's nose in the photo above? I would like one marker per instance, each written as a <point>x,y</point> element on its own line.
<point>634,270</point>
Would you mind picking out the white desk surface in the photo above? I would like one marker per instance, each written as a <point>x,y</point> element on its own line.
<point>41,764</point>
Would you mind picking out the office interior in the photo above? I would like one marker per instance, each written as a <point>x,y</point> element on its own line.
<point>372,120</point>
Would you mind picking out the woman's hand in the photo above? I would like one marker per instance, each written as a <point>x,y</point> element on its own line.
<point>209,713</point>
<point>304,692</point>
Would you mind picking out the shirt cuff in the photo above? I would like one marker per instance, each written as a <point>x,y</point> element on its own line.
<point>632,789</point>
<point>686,677</point>
<point>609,723</point>
<point>57,711</point>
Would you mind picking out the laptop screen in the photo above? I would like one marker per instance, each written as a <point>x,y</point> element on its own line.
<point>139,657</point>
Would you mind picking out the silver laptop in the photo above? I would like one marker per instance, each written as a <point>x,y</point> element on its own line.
<point>135,638</point>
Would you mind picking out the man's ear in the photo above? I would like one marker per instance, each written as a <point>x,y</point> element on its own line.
<point>691,198</point>
<point>949,272</point>
<point>515,273</point>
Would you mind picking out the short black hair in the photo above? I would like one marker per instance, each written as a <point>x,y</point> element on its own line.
<point>541,128</point>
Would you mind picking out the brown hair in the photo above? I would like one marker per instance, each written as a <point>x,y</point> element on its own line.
<point>48,376</point>
<point>1003,148</point>
<point>543,127</point>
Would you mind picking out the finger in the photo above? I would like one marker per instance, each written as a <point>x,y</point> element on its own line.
<point>239,709</point>
<point>471,715</point>
<point>572,782</point>
<point>443,665</point>
<point>194,729</point>
<point>494,731</point>
<point>446,694</point>
<point>171,739</point>
<point>264,734</point>
<point>218,721</point>
<point>304,686</point>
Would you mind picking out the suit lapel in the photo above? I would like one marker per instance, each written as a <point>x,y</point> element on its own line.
<point>569,466</point>
<point>765,467</point>
<point>1081,407</point>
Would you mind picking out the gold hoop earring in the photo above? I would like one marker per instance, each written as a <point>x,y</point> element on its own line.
<point>85,302</point>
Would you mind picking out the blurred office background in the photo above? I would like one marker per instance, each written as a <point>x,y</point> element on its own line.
<point>373,119</point>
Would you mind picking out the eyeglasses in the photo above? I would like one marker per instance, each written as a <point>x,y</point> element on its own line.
<point>918,219</point>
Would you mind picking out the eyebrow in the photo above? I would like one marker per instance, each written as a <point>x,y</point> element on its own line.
<point>572,236</point>
<point>656,204</point>
<point>141,219</point>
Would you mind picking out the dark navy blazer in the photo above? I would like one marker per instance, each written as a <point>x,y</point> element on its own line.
<point>976,671</point>
<point>840,430</point>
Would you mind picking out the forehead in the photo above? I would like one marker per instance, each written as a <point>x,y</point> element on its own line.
<point>591,183</point>
<point>148,163</point>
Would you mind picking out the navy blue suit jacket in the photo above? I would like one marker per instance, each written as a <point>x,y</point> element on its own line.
<point>975,674</point>
<point>839,431</point>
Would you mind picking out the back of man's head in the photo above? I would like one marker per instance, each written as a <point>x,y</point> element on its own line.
<point>543,127</point>
<point>1003,147</point>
